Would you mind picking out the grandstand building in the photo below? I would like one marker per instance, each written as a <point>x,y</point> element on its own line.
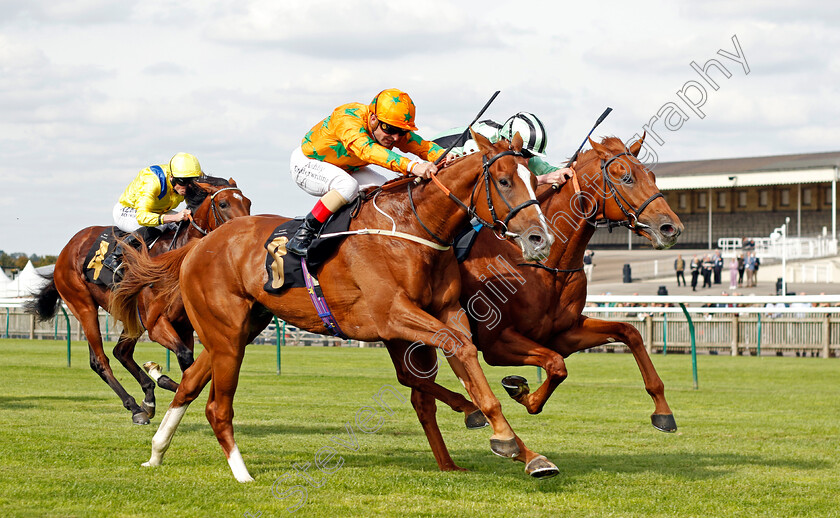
<point>744,197</point>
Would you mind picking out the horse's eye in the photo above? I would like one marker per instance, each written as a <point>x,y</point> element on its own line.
<point>504,183</point>
<point>223,205</point>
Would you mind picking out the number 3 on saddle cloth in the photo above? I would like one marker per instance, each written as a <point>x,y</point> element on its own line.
<point>290,271</point>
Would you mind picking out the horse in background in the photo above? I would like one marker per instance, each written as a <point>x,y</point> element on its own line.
<point>540,306</point>
<point>213,201</point>
<point>378,287</point>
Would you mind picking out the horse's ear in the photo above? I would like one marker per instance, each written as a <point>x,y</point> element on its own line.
<point>516,142</point>
<point>232,182</point>
<point>602,151</point>
<point>635,147</point>
<point>483,142</point>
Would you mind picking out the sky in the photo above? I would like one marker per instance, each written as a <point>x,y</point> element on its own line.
<point>93,91</point>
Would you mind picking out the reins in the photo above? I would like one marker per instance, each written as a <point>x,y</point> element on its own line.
<point>499,227</point>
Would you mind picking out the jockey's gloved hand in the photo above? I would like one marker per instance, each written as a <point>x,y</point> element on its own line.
<point>424,169</point>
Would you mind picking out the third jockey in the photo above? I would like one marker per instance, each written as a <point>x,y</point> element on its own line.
<point>534,140</point>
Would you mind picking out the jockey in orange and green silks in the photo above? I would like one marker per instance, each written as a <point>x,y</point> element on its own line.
<point>332,161</point>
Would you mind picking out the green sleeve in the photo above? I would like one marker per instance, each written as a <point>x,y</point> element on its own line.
<point>539,167</point>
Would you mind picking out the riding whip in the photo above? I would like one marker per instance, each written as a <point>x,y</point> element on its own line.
<point>597,123</point>
<point>466,131</point>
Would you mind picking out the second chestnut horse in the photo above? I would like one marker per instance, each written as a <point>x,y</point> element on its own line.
<point>539,318</point>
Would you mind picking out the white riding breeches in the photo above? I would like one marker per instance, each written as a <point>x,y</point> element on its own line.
<point>318,178</point>
<point>125,218</point>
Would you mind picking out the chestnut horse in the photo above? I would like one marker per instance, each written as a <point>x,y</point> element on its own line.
<point>213,201</point>
<point>379,288</point>
<point>539,309</point>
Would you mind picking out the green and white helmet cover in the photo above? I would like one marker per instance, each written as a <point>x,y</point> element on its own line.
<point>531,130</point>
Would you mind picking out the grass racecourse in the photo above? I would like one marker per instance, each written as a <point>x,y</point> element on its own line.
<point>760,437</point>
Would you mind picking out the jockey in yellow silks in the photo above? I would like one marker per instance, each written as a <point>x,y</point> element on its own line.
<point>333,158</point>
<point>147,204</point>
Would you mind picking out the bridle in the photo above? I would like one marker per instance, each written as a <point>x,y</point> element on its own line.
<point>632,222</point>
<point>631,214</point>
<point>499,227</point>
<point>217,218</point>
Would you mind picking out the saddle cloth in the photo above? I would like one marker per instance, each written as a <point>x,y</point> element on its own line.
<point>286,272</point>
<point>94,271</point>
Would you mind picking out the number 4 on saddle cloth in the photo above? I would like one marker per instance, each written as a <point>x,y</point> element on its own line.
<point>103,246</point>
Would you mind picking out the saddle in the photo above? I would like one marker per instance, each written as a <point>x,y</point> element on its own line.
<point>104,245</point>
<point>95,272</point>
<point>285,270</point>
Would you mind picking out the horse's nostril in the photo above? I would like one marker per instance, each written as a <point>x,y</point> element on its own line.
<point>535,239</point>
<point>668,230</point>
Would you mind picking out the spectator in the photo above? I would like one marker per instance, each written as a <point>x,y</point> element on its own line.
<point>755,272</point>
<point>706,267</point>
<point>679,266</point>
<point>587,264</point>
<point>733,273</point>
<point>749,266</point>
<point>740,269</point>
<point>717,266</point>
<point>695,272</point>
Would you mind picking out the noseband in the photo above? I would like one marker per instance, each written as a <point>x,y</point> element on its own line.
<point>217,219</point>
<point>499,227</point>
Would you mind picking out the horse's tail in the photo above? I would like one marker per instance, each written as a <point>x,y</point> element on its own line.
<point>143,271</point>
<point>46,301</point>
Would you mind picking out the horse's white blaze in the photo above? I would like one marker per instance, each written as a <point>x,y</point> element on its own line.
<point>237,196</point>
<point>163,436</point>
<point>525,174</point>
<point>237,465</point>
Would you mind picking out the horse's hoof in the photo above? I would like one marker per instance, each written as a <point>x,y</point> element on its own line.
<point>475,420</point>
<point>140,418</point>
<point>149,408</point>
<point>540,467</point>
<point>506,448</point>
<point>664,422</point>
<point>153,369</point>
<point>516,386</point>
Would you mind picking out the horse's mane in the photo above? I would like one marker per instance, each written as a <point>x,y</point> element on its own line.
<point>195,195</point>
<point>614,144</point>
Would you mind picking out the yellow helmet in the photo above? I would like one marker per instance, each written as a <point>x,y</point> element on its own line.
<point>185,165</point>
<point>394,107</point>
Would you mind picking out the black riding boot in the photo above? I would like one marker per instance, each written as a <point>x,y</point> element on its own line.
<point>114,260</point>
<point>299,244</point>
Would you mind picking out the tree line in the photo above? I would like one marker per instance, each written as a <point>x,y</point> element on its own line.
<point>18,260</point>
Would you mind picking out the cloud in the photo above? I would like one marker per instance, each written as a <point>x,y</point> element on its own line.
<point>165,68</point>
<point>65,12</point>
<point>361,31</point>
